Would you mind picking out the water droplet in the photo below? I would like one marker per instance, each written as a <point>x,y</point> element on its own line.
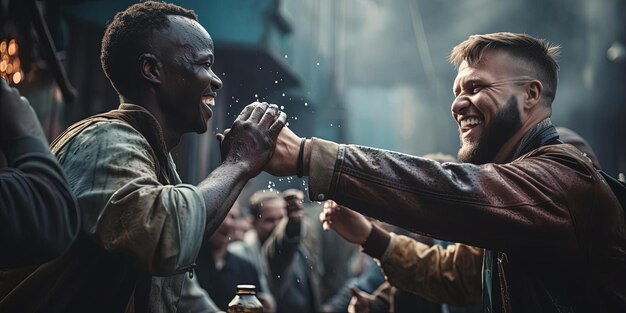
<point>275,82</point>
<point>282,107</point>
<point>287,124</point>
<point>295,118</point>
<point>318,63</point>
<point>331,124</point>
<point>306,104</point>
<point>285,56</point>
<point>283,94</point>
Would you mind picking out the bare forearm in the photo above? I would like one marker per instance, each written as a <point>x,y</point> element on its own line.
<point>220,190</point>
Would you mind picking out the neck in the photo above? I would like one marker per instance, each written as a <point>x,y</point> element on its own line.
<point>171,137</point>
<point>506,152</point>
<point>219,253</point>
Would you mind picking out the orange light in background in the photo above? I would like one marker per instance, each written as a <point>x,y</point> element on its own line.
<point>17,77</point>
<point>10,64</point>
<point>12,47</point>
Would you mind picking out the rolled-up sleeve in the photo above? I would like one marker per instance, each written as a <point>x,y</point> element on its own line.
<point>125,209</point>
<point>324,156</point>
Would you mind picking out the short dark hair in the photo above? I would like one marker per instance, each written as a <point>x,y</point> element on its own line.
<point>538,52</point>
<point>122,41</point>
<point>257,199</point>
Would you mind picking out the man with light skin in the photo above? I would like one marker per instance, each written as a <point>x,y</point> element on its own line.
<point>552,231</point>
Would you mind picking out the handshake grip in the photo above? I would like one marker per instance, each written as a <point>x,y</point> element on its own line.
<point>251,140</point>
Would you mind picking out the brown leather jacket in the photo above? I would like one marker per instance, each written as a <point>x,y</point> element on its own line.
<point>557,224</point>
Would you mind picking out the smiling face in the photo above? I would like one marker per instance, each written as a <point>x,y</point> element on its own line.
<point>487,104</point>
<point>188,85</point>
<point>271,213</point>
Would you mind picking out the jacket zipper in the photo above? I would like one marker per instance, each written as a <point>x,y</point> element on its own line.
<point>504,287</point>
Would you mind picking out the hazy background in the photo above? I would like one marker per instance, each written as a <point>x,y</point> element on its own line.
<point>368,72</point>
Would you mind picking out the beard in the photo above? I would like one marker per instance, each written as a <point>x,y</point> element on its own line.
<point>506,123</point>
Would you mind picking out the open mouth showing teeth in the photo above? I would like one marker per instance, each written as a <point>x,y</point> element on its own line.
<point>470,122</point>
<point>209,101</point>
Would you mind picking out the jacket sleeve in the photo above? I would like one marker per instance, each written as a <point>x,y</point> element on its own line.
<point>446,275</point>
<point>38,214</point>
<point>124,208</point>
<point>279,250</point>
<point>520,206</point>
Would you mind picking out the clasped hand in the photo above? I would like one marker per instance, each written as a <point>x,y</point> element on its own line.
<point>351,225</point>
<point>251,140</point>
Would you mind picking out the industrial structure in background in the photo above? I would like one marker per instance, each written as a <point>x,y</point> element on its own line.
<point>357,71</point>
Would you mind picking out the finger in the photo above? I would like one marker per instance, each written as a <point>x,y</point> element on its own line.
<point>269,116</point>
<point>245,113</point>
<point>325,226</point>
<point>278,125</point>
<point>356,292</point>
<point>258,112</point>
<point>220,138</point>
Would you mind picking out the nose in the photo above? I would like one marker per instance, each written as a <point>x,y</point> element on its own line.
<point>460,105</point>
<point>216,82</point>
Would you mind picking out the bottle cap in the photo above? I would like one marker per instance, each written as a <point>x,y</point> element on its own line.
<point>246,289</point>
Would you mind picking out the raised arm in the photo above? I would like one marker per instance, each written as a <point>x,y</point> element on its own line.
<point>38,214</point>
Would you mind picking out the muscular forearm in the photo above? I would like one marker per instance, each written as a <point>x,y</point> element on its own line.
<point>220,190</point>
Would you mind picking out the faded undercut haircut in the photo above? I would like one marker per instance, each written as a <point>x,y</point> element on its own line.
<point>124,39</point>
<point>539,53</point>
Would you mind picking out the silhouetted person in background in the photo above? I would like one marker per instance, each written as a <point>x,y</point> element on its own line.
<point>38,214</point>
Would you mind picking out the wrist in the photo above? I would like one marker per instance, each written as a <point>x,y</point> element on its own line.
<point>307,156</point>
<point>376,242</point>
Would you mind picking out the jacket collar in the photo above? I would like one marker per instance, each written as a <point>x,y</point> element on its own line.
<point>544,133</point>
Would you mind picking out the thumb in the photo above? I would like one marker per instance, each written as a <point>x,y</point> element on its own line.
<point>220,137</point>
<point>357,293</point>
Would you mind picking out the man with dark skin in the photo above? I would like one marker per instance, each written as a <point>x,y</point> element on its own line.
<point>552,230</point>
<point>142,227</point>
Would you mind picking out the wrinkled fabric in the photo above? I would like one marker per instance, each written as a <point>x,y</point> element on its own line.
<point>445,275</point>
<point>38,214</point>
<point>293,268</point>
<point>549,211</point>
<point>138,222</point>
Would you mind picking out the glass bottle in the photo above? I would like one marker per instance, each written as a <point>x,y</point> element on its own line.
<point>245,301</point>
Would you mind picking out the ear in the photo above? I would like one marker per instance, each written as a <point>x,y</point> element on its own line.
<point>534,94</point>
<point>150,68</point>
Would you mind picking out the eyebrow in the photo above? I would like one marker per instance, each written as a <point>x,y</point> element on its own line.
<point>473,80</point>
<point>204,55</point>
